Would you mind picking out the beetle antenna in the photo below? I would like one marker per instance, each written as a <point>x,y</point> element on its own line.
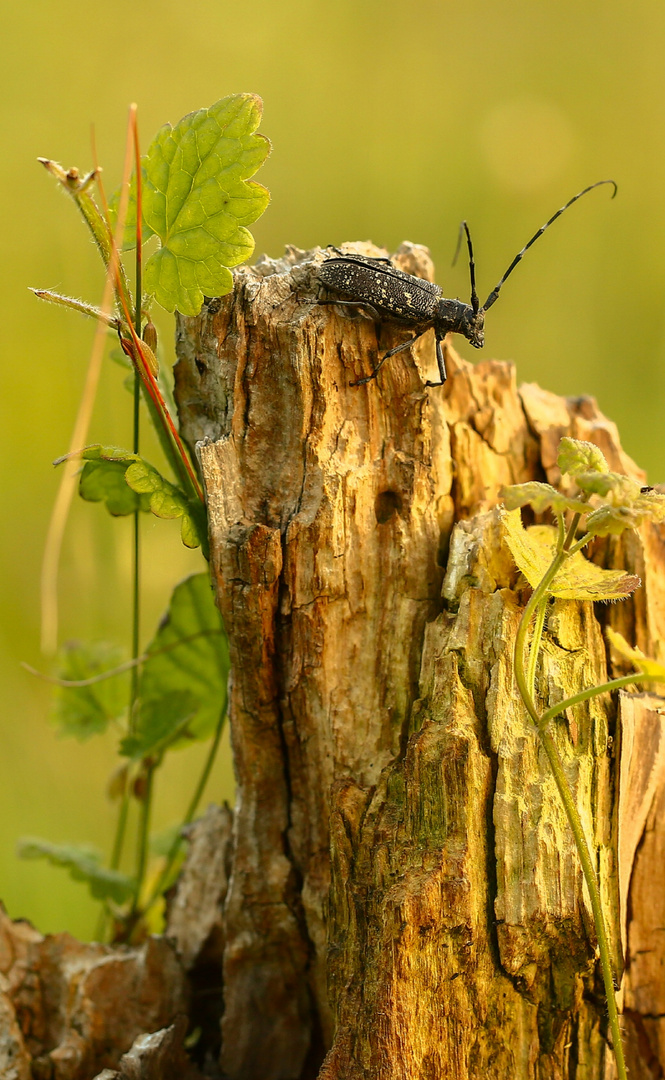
<point>495,291</point>
<point>459,243</point>
<point>464,228</point>
<point>475,302</point>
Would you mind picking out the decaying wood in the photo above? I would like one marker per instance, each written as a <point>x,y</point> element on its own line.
<point>69,1010</point>
<point>396,894</point>
<point>194,922</point>
<point>404,890</point>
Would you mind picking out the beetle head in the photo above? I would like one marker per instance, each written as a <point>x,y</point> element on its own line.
<point>473,327</point>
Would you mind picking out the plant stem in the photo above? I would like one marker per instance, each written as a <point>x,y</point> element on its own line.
<point>591,879</point>
<point>594,691</point>
<point>191,810</point>
<point>534,603</point>
<point>138,302</point>
<point>143,835</point>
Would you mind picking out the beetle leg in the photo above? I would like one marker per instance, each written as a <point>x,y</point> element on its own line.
<point>398,348</point>
<point>442,365</point>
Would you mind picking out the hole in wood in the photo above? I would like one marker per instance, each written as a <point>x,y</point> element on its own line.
<point>388,503</point>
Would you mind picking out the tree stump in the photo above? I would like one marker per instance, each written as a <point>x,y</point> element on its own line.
<point>404,895</point>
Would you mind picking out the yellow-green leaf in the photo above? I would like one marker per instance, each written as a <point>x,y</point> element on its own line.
<point>634,656</point>
<point>533,550</point>
<point>576,456</point>
<point>541,497</point>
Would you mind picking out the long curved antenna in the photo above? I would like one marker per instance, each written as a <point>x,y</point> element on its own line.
<point>495,291</point>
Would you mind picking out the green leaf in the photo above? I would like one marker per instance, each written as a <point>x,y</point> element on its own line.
<point>634,656</point>
<point>197,198</point>
<point>163,720</point>
<point>126,482</point>
<point>616,488</point>
<point>541,497</point>
<point>83,711</point>
<point>104,481</point>
<point>578,579</point>
<point>184,682</point>
<point>576,456</point>
<point>83,864</point>
<point>613,519</point>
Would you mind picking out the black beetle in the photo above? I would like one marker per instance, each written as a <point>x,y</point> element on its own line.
<point>416,303</point>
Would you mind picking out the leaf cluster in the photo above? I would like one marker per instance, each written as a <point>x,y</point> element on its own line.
<point>601,503</point>
<point>181,695</point>
<point>126,482</point>
<point>181,686</point>
<point>608,501</point>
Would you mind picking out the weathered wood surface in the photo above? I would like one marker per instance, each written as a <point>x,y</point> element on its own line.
<point>445,933</point>
<point>69,1010</point>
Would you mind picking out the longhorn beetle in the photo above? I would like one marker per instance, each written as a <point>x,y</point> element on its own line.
<point>418,304</point>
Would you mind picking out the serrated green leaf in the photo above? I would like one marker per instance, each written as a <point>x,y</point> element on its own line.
<point>578,579</point>
<point>576,456</point>
<point>198,198</point>
<point>541,497</point>
<point>82,711</point>
<point>129,230</point>
<point>634,656</point>
<point>83,864</point>
<point>183,685</point>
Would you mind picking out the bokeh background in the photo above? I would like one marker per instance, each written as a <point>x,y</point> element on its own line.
<point>389,121</point>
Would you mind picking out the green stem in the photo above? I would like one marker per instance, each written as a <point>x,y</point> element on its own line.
<point>594,894</point>
<point>136,568</point>
<point>580,544</point>
<point>594,691</point>
<point>191,810</point>
<point>93,218</point>
<point>566,794</point>
<point>143,837</point>
<point>136,615</point>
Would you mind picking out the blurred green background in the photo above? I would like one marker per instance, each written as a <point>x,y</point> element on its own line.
<point>389,121</point>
